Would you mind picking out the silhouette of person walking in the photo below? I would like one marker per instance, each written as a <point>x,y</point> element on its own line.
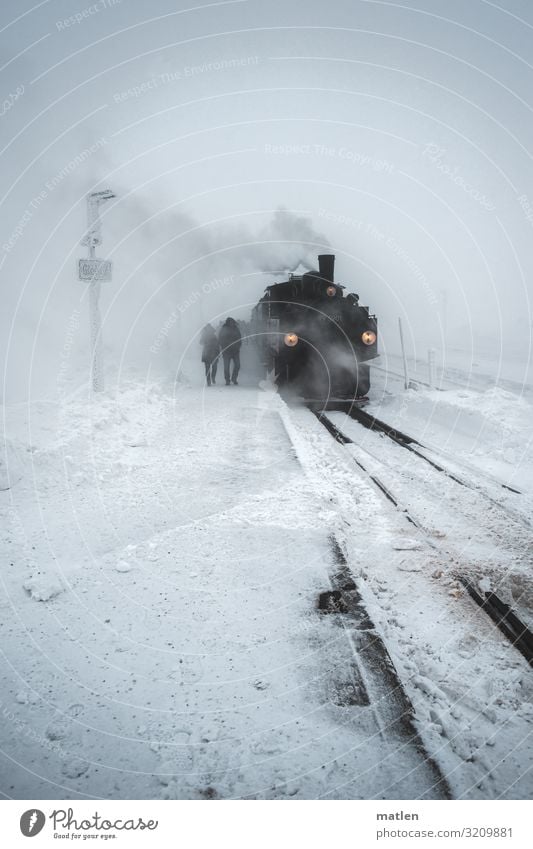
<point>210,352</point>
<point>230,346</point>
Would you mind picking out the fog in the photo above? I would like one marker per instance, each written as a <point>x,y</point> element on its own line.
<point>240,140</point>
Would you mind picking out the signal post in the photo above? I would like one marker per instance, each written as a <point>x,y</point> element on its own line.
<point>95,271</point>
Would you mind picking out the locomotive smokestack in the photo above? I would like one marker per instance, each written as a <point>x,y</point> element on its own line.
<point>326,265</point>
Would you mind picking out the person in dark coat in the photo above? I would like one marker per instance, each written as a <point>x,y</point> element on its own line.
<point>210,352</point>
<point>230,346</point>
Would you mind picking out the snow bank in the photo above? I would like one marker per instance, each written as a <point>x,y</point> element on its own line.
<point>490,431</point>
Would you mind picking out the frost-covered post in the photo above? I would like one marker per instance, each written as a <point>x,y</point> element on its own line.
<point>431,368</point>
<point>405,372</point>
<point>95,322</point>
<point>94,271</point>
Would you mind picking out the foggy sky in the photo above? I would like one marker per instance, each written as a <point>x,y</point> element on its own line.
<point>396,135</point>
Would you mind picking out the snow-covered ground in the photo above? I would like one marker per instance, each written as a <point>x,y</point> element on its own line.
<point>164,549</point>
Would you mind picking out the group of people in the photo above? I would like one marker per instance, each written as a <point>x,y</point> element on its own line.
<point>228,343</point>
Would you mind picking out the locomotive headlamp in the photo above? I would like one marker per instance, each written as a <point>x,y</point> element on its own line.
<point>331,291</point>
<point>368,337</point>
<point>290,339</point>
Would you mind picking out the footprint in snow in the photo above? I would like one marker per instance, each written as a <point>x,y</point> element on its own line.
<point>57,730</point>
<point>74,768</point>
<point>42,588</point>
<point>179,760</point>
<point>189,670</point>
<point>274,744</point>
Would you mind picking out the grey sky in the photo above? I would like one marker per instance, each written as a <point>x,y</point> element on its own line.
<point>402,131</point>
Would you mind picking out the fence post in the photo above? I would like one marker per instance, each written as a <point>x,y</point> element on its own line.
<point>405,373</point>
<point>431,368</point>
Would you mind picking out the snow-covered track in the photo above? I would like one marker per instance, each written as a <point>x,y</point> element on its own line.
<point>409,443</point>
<point>419,449</point>
<point>376,681</point>
<point>505,618</point>
<point>341,437</point>
<point>501,614</point>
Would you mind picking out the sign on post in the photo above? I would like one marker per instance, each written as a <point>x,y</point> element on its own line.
<point>95,270</point>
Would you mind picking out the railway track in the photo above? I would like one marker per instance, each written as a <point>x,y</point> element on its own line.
<point>413,445</point>
<point>500,613</point>
<point>341,437</point>
<point>372,680</point>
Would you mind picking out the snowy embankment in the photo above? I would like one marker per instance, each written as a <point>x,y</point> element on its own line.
<point>489,431</point>
<point>486,439</point>
<point>163,554</point>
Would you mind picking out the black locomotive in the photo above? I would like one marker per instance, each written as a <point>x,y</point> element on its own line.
<point>314,338</point>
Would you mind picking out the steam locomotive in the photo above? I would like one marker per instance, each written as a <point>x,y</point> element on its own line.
<point>315,339</point>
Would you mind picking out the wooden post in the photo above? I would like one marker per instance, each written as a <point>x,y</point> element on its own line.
<point>405,373</point>
<point>431,368</point>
